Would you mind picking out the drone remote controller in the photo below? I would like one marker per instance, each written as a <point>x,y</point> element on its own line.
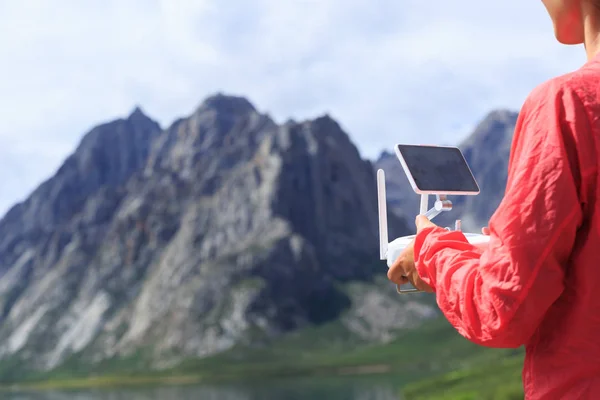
<point>431,170</point>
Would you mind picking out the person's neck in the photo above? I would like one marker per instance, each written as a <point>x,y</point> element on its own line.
<point>591,30</point>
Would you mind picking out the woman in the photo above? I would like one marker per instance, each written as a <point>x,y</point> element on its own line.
<point>538,283</point>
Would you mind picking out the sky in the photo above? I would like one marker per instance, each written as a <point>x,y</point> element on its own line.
<point>389,71</point>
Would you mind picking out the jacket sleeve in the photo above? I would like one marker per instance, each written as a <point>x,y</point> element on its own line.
<point>498,297</point>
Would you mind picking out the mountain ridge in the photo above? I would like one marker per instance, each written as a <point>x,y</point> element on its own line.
<point>188,240</point>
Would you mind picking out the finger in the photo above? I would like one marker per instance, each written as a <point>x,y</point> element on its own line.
<point>485,230</point>
<point>422,222</point>
<point>402,281</point>
<point>396,274</point>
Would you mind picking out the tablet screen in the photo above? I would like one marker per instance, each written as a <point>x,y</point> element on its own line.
<point>439,169</point>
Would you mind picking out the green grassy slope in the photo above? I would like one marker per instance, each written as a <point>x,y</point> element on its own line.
<point>434,352</point>
<point>498,380</point>
<point>442,363</point>
<point>434,355</point>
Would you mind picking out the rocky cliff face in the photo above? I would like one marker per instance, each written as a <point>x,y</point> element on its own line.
<point>487,151</point>
<point>221,229</point>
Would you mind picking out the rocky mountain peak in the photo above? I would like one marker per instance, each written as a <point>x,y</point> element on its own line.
<point>227,105</point>
<point>385,154</point>
<point>501,115</point>
<point>138,115</point>
<point>122,142</point>
<point>107,157</point>
<point>187,241</point>
<point>496,127</point>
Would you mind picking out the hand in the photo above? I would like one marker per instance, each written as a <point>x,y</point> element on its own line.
<point>403,270</point>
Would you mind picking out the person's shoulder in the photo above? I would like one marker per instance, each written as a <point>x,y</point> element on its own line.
<point>572,85</point>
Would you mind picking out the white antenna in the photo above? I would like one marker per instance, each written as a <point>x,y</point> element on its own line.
<point>381,202</point>
<point>424,204</point>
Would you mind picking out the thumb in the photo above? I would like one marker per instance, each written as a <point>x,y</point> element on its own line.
<point>422,222</point>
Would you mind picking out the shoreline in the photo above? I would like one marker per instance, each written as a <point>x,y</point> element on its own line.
<point>114,382</point>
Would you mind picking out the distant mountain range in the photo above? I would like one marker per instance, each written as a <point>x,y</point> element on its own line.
<point>223,229</point>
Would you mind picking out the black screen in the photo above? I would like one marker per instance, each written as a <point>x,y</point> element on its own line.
<point>438,169</point>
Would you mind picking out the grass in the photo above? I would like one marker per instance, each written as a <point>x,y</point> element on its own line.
<point>493,381</point>
<point>443,364</point>
<point>431,361</point>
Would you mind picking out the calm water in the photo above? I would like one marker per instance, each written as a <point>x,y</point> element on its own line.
<point>292,389</point>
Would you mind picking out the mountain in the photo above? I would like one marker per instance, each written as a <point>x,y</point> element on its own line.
<point>487,151</point>
<point>168,244</point>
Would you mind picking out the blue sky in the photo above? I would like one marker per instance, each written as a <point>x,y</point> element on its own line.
<point>389,71</point>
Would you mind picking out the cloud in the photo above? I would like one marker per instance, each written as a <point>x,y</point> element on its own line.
<point>388,70</point>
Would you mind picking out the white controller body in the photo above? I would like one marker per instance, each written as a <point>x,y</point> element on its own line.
<point>395,248</point>
<point>462,184</point>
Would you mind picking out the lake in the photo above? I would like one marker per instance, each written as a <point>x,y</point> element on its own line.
<point>346,388</point>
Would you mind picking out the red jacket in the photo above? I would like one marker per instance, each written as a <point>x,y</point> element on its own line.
<point>538,284</point>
